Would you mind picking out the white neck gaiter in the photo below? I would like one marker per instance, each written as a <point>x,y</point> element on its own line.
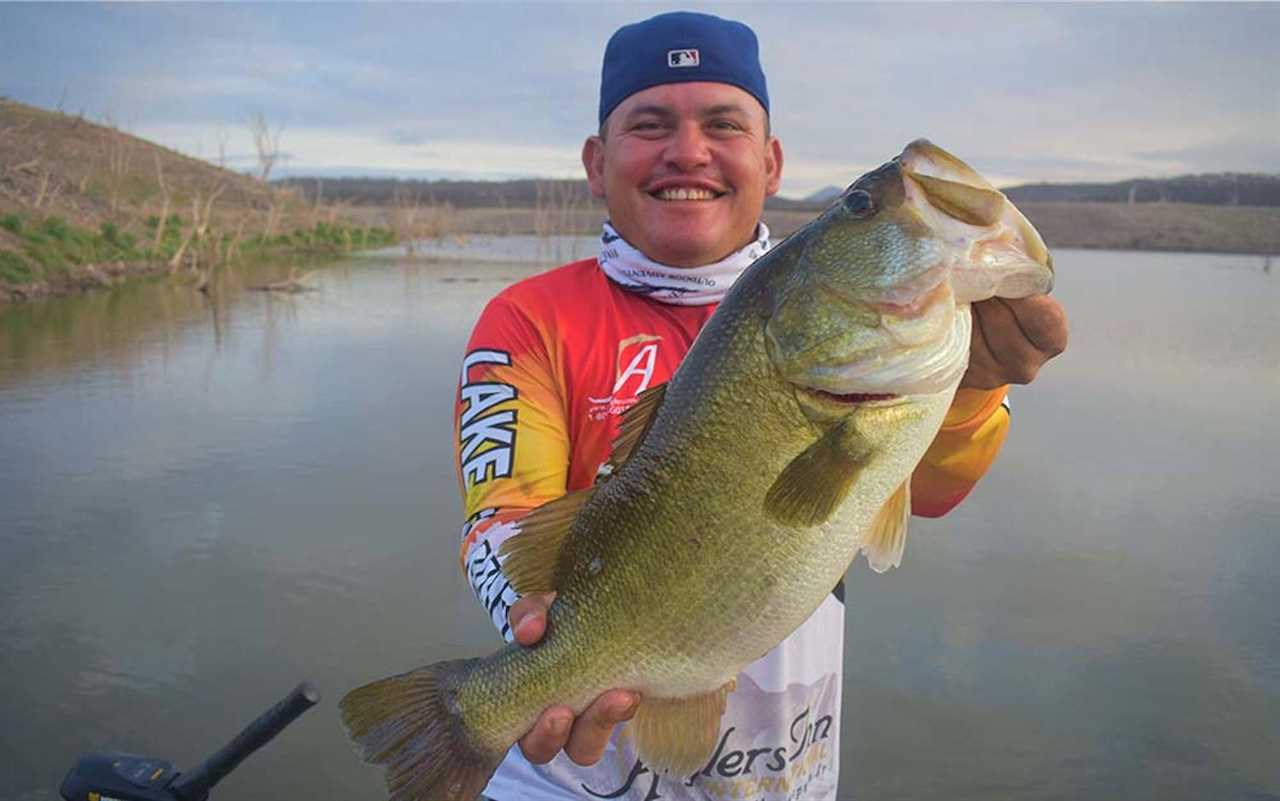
<point>680,286</point>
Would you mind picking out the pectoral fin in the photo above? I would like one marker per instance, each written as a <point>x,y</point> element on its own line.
<point>531,558</point>
<point>813,485</point>
<point>887,535</point>
<point>679,734</point>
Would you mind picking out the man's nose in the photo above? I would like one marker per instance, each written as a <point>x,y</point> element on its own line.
<point>688,148</point>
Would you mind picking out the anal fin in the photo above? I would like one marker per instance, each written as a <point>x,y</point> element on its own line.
<point>531,558</point>
<point>887,535</point>
<point>679,734</point>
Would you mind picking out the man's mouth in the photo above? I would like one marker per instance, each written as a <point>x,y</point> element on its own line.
<point>685,193</point>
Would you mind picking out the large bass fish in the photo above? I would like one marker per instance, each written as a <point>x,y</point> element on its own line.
<point>740,490</point>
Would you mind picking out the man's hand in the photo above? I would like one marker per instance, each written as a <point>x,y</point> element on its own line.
<point>584,738</point>
<point>1012,339</point>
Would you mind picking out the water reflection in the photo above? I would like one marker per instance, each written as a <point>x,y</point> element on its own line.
<point>203,500</point>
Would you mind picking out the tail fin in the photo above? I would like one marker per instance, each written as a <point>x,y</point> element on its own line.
<point>409,724</point>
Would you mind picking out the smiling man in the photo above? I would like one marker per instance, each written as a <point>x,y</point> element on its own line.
<point>684,159</point>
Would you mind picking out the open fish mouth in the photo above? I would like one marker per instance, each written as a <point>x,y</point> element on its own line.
<point>849,398</point>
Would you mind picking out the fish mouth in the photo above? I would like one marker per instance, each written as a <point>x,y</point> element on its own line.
<point>1010,259</point>
<point>849,398</point>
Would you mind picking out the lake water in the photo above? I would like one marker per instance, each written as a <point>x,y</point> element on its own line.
<point>203,503</point>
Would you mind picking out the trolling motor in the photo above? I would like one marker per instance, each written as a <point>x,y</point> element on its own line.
<point>112,776</point>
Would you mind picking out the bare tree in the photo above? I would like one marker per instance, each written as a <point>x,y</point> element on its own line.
<point>224,137</point>
<point>233,247</point>
<point>274,212</point>
<point>318,205</point>
<point>405,216</point>
<point>47,188</point>
<point>118,153</point>
<point>266,142</point>
<point>200,218</point>
<point>164,208</point>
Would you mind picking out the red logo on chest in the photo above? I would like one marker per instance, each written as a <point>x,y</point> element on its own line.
<point>633,373</point>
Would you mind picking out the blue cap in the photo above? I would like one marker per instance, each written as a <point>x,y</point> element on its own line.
<point>678,47</point>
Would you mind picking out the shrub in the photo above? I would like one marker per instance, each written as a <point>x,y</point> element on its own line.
<point>14,269</point>
<point>11,223</point>
<point>56,227</point>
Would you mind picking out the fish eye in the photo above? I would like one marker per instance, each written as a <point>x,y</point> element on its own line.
<point>859,203</point>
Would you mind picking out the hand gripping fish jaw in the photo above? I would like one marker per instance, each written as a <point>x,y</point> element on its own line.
<point>877,301</point>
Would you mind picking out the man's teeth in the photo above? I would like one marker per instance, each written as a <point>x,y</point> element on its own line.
<point>686,194</point>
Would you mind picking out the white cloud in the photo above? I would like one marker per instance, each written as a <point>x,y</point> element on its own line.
<point>1025,92</point>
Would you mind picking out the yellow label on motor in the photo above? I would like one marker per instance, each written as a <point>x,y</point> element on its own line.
<point>93,796</point>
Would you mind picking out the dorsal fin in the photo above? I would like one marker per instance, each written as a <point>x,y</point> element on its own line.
<point>531,557</point>
<point>635,423</point>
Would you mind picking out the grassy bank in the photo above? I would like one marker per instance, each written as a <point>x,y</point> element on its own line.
<point>85,205</point>
<point>50,256</point>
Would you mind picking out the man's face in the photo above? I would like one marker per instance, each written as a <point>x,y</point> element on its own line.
<point>684,169</point>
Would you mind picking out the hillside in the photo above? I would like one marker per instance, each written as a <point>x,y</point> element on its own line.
<point>1213,189</point>
<point>82,204</point>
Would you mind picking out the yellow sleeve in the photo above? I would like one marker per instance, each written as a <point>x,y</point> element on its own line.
<point>512,446</point>
<point>971,435</point>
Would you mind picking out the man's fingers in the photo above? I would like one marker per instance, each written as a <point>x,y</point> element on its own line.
<point>591,731</point>
<point>1013,339</point>
<point>981,373</point>
<point>583,740</point>
<point>1013,352</point>
<point>1043,321</point>
<point>548,736</point>
<point>528,617</point>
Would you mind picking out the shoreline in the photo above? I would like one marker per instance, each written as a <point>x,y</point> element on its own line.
<point>1158,228</point>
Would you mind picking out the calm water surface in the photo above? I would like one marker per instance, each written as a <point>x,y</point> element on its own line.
<point>203,503</point>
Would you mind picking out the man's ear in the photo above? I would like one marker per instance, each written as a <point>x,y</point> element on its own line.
<point>593,162</point>
<point>773,166</point>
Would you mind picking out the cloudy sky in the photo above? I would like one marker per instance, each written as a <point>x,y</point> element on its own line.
<point>1025,92</point>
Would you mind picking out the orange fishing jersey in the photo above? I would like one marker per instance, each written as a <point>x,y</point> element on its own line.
<point>555,359</point>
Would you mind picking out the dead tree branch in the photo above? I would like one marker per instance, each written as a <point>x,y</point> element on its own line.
<point>267,144</point>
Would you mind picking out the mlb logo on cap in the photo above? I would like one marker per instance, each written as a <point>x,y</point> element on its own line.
<point>682,58</point>
<point>697,47</point>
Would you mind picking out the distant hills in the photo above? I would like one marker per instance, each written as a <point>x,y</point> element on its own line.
<point>519,193</point>
<point>1214,189</point>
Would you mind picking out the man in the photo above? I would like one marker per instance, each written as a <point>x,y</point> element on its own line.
<point>684,160</point>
